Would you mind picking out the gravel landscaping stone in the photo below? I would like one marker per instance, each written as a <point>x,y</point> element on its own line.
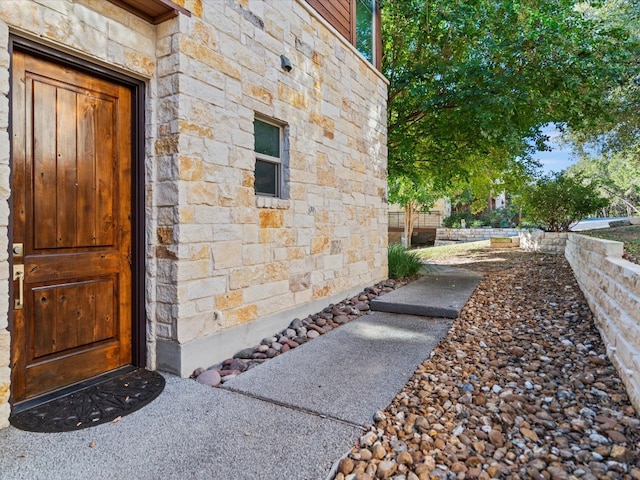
<point>521,388</point>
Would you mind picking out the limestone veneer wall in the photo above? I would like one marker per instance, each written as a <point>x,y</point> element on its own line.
<point>447,235</point>
<point>233,267</point>
<point>611,286</point>
<point>545,242</point>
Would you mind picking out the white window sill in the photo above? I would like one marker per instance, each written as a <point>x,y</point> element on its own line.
<point>272,202</point>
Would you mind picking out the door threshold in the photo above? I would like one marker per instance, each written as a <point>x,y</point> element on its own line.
<point>68,390</point>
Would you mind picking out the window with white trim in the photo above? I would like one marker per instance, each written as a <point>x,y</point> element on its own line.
<point>271,158</point>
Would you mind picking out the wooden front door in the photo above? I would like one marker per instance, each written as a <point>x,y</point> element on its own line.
<point>71,166</point>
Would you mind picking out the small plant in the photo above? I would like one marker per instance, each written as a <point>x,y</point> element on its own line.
<point>402,262</point>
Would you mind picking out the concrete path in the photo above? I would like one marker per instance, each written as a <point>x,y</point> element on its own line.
<point>441,292</point>
<point>292,417</point>
<point>351,372</point>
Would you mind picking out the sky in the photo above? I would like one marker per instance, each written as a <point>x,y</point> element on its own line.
<point>559,157</point>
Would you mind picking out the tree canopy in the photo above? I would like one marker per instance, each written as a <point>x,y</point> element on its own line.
<point>472,83</point>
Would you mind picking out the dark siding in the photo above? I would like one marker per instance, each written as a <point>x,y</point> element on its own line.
<point>337,13</point>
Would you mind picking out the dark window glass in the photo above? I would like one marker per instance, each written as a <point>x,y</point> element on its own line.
<point>364,28</point>
<point>266,182</point>
<point>267,139</point>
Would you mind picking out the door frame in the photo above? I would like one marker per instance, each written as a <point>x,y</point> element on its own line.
<point>138,221</point>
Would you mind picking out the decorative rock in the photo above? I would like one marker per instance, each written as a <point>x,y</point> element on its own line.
<point>496,438</point>
<point>197,372</point>
<point>346,466</point>
<point>367,439</point>
<point>404,458</point>
<point>362,306</point>
<point>378,451</point>
<point>341,319</point>
<point>530,434</point>
<point>365,454</point>
<point>621,454</point>
<point>246,353</point>
<point>616,436</point>
<point>209,377</point>
<point>386,469</point>
<point>238,364</point>
<point>557,473</point>
<point>313,334</point>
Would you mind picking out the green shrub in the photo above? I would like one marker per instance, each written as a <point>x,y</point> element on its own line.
<point>402,262</point>
<point>498,218</point>
<point>453,221</point>
<point>557,200</point>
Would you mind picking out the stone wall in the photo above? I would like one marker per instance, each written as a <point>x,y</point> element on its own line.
<point>445,236</point>
<point>223,265</point>
<point>545,242</point>
<point>611,286</point>
<point>229,261</point>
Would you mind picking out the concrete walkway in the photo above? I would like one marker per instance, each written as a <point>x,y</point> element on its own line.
<point>292,417</point>
<point>442,291</point>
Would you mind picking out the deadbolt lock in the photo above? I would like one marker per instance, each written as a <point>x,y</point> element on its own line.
<point>18,249</point>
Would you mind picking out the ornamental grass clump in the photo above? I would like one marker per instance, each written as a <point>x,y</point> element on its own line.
<point>402,262</point>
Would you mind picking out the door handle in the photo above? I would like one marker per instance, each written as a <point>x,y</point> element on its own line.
<point>18,274</point>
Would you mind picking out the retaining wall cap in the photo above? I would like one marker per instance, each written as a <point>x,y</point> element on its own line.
<point>608,248</point>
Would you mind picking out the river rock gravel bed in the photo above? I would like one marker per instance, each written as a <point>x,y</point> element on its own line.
<point>521,388</point>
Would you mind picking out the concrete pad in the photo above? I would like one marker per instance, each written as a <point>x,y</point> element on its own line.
<point>441,292</point>
<point>189,432</point>
<point>348,373</point>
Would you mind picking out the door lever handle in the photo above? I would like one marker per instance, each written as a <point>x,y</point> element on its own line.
<point>18,274</point>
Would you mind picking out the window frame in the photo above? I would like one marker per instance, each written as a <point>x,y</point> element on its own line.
<point>281,162</point>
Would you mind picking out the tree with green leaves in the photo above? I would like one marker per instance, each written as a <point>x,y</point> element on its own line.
<point>617,177</point>
<point>558,200</point>
<point>617,130</point>
<point>413,194</point>
<point>471,83</point>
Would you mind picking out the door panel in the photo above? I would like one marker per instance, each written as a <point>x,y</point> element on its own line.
<point>71,168</point>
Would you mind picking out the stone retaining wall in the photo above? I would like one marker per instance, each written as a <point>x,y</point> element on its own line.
<point>611,286</point>
<point>545,242</point>
<point>445,236</point>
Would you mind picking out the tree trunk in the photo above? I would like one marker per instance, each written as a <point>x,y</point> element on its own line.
<point>410,216</point>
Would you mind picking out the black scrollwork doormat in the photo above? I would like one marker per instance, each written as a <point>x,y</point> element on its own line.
<point>100,403</point>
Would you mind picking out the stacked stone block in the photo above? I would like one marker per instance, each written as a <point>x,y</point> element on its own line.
<point>446,236</point>
<point>544,242</point>
<point>611,286</point>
